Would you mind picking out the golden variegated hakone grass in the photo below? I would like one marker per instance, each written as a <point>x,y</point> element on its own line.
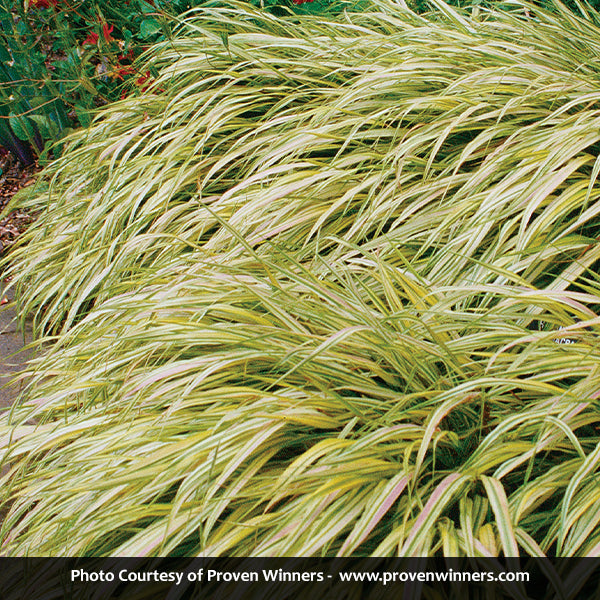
<point>326,288</point>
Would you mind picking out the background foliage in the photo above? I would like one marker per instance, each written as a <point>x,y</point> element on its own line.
<point>62,59</point>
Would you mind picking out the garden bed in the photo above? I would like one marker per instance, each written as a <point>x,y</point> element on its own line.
<point>305,293</point>
<point>14,177</point>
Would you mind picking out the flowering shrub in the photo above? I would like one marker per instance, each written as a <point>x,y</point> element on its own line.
<point>62,59</point>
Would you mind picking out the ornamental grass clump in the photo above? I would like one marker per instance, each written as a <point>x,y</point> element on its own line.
<point>326,288</point>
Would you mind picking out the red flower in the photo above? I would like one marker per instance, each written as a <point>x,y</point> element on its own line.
<point>129,56</point>
<point>121,71</point>
<point>142,80</point>
<point>106,31</point>
<point>91,39</point>
<point>145,81</point>
<point>44,3</point>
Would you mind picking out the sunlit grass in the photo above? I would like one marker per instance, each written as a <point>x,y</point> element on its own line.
<point>311,294</point>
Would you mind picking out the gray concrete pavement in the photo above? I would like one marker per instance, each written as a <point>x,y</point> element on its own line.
<point>12,354</point>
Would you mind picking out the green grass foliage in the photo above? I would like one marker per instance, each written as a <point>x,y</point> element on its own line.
<point>326,288</point>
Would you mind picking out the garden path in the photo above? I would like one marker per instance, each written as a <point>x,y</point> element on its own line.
<point>13,354</point>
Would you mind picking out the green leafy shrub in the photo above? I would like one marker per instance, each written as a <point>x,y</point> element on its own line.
<point>31,109</point>
<point>62,59</point>
<point>295,297</point>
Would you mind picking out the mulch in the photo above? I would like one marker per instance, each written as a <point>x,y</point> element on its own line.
<point>13,177</point>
